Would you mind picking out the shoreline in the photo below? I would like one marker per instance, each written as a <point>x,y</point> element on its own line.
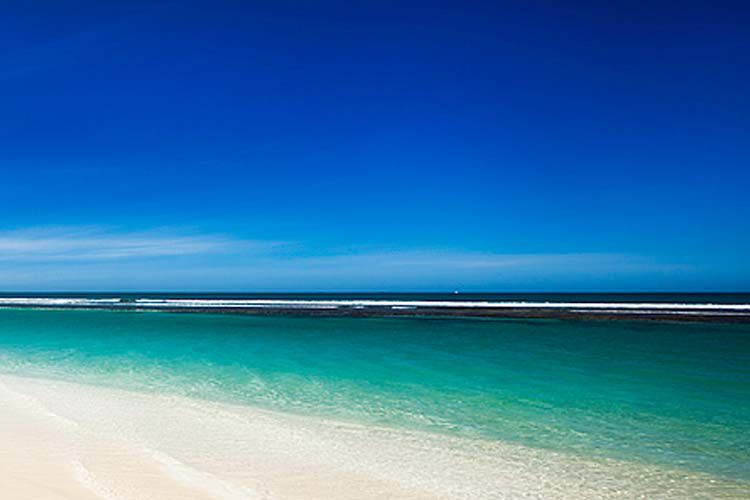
<point>95,442</point>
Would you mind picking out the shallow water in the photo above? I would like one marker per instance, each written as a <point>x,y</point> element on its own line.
<point>660,393</point>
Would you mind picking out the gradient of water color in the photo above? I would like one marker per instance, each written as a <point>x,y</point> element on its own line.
<point>662,393</point>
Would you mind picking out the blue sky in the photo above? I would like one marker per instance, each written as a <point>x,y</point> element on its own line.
<point>275,146</point>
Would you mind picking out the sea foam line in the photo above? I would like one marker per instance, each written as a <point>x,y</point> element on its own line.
<point>364,303</point>
<point>437,304</point>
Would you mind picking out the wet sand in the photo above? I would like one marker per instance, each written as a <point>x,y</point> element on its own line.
<point>72,441</point>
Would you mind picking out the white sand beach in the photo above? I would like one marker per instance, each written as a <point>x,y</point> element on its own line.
<point>67,441</point>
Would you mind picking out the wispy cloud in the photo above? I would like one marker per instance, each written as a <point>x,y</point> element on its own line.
<point>96,258</point>
<point>480,261</point>
<point>47,244</point>
<point>428,267</point>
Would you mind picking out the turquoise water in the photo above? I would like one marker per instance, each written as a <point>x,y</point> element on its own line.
<point>663,393</point>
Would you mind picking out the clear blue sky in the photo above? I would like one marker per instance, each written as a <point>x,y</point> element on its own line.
<point>519,146</point>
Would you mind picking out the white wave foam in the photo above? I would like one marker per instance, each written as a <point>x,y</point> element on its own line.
<point>365,303</point>
<point>316,304</point>
<point>49,301</point>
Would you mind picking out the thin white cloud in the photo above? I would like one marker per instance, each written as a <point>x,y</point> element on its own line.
<point>480,262</point>
<point>90,258</point>
<point>50,244</point>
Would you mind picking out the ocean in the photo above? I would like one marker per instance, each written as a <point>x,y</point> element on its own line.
<point>658,393</point>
